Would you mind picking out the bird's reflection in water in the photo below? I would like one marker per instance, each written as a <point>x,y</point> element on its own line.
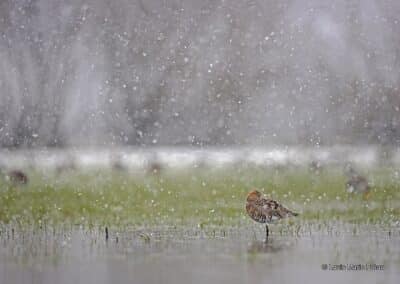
<point>270,247</point>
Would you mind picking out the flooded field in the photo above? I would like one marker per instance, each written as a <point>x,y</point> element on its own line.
<point>176,255</point>
<point>172,216</point>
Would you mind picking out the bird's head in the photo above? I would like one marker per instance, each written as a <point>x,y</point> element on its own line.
<point>253,195</point>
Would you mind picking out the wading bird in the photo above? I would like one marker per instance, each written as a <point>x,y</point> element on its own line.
<point>263,210</point>
<point>17,177</point>
<point>117,163</point>
<point>154,165</point>
<point>316,167</point>
<point>154,168</point>
<point>68,165</point>
<point>356,183</point>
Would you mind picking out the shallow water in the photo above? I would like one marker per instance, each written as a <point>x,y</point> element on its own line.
<point>173,255</point>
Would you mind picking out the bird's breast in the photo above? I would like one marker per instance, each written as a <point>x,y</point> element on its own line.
<point>255,213</point>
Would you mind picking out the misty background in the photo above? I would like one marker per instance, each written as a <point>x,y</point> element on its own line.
<point>147,72</point>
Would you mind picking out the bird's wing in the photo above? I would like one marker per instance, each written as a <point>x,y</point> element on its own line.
<point>267,203</point>
<point>273,210</point>
<point>276,210</point>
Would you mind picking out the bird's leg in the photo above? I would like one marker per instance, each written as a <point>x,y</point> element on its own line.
<point>266,233</point>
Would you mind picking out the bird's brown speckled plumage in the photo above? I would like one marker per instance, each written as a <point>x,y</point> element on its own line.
<point>264,210</point>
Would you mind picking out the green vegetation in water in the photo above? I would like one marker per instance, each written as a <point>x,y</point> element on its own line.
<point>193,197</point>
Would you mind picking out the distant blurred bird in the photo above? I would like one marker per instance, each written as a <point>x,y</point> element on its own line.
<point>17,177</point>
<point>68,165</point>
<point>356,183</point>
<point>263,210</point>
<point>154,165</point>
<point>118,166</point>
<point>316,167</point>
<point>154,168</point>
<point>117,163</point>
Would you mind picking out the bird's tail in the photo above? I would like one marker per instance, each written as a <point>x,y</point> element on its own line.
<point>294,214</point>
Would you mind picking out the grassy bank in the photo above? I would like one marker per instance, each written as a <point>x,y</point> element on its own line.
<point>195,197</point>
